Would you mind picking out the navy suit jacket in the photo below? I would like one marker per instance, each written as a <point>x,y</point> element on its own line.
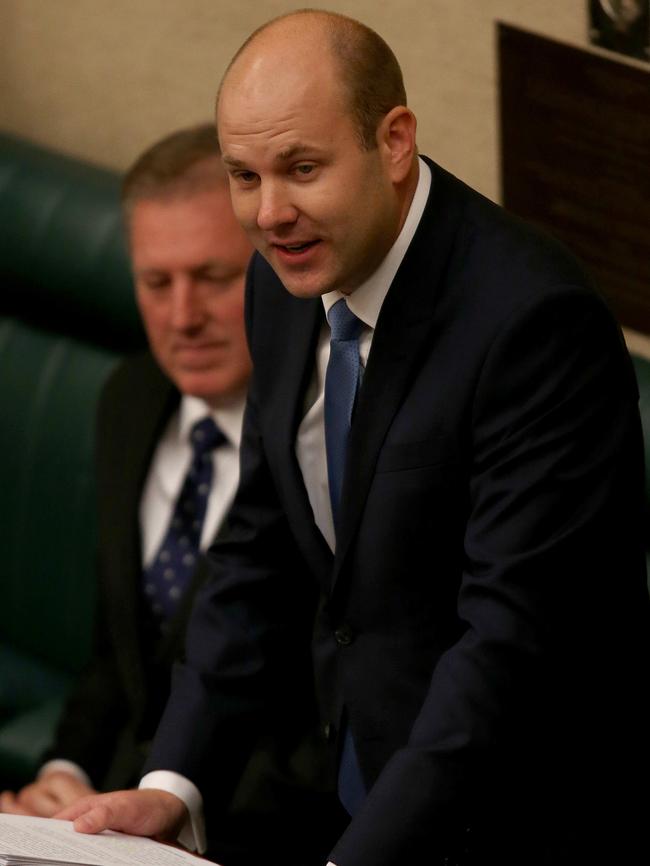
<point>118,700</point>
<point>114,710</point>
<point>484,623</point>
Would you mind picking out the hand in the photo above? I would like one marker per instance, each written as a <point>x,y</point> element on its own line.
<point>46,796</point>
<point>150,812</point>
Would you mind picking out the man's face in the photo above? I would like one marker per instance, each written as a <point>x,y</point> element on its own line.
<point>317,206</point>
<point>189,258</point>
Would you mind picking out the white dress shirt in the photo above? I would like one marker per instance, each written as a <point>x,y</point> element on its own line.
<point>169,466</point>
<point>365,302</point>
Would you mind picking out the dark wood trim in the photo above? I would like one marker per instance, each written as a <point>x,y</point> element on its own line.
<point>575,158</point>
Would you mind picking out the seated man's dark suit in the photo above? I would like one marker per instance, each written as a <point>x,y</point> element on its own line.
<point>118,701</point>
<point>484,624</point>
<point>112,715</point>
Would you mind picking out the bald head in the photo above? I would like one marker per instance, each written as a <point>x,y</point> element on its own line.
<point>366,69</point>
<point>322,169</point>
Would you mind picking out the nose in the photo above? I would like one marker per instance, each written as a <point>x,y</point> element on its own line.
<point>275,207</point>
<point>186,306</point>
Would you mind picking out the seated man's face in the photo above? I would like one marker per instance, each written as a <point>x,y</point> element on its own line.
<point>189,259</point>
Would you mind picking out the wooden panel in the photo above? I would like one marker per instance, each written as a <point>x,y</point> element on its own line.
<point>575,159</point>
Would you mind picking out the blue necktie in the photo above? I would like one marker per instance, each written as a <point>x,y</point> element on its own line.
<point>168,576</point>
<point>342,381</point>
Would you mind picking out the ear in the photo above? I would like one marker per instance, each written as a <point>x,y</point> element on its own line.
<point>396,142</point>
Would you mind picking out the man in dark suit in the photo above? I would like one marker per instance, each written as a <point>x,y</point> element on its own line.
<point>189,258</point>
<point>464,564</point>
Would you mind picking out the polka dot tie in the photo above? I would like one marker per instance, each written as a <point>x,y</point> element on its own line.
<point>169,574</point>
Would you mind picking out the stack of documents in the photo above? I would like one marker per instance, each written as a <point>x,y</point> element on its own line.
<point>46,842</point>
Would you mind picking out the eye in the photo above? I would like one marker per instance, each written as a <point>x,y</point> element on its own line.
<point>216,280</point>
<point>219,279</point>
<point>245,177</point>
<point>155,283</point>
<point>304,169</point>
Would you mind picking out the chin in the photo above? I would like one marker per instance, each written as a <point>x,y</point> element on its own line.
<point>304,288</point>
<point>215,390</point>
<point>197,385</point>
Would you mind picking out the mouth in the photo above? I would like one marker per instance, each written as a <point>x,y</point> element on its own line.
<point>198,344</point>
<point>295,251</point>
<point>296,248</point>
<point>193,353</point>
<point>199,347</point>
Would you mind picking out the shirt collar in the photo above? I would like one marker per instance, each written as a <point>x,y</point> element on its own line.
<point>228,418</point>
<point>366,300</point>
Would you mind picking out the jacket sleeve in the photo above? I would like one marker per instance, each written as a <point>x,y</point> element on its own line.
<point>248,640</point>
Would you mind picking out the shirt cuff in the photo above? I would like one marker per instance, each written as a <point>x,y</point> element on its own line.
<point>59,765</point>
<point>192,834</point>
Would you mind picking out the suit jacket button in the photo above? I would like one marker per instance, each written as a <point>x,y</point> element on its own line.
<point>344,635</point>
<point>329,730</point>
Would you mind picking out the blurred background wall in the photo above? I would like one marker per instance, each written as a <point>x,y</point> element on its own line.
<point>101,79</point>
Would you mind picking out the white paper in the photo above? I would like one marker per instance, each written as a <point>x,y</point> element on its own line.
<point>44,840</point>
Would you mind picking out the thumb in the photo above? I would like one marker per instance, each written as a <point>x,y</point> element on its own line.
<point>96,819</point>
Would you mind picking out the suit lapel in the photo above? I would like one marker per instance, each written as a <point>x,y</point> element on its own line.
<point>402,334</point>
<point>295,370</point>
<point>146,410</point>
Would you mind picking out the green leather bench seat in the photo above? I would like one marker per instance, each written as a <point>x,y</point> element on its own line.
<point>66,316</point>
<point>63,259</point>
<point>47,514</point>
<point>32,695</point>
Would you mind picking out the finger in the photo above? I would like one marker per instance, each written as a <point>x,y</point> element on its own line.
<point>37,799</point>
<point>141,813</point>
<point>94,821</point>
<point>100,812</point>
<point>39,804</point>
<point>6,799</point>
<point>74,811</point>
<point>16,809</point>
<point>65,789</point>
<point>9,804</point>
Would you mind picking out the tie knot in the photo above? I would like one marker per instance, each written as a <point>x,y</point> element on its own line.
<point>206,436</point>
<point>343,323</point>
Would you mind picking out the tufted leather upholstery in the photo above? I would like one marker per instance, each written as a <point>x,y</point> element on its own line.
<point>66,315</point>
<point>63,259</point>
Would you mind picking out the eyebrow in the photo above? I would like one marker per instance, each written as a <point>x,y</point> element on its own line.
<point>221,269</point>
<point>282,156</point>
<point>294,150</point>
<point>231,161</point>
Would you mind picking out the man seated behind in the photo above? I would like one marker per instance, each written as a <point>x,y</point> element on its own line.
<point>189,258</point>
<point>168,433</point>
